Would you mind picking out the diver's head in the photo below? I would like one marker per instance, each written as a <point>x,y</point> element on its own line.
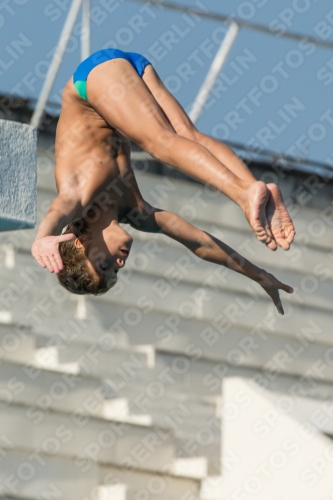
<point>92,260</point>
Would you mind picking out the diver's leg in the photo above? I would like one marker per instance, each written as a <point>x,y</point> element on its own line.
<point>280,222</point>
<point>124,100</point>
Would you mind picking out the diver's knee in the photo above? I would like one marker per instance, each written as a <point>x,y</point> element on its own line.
<point>161,145</point>
<point>201,138</point>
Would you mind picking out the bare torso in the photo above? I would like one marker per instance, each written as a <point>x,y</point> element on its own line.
<point>92,158</point>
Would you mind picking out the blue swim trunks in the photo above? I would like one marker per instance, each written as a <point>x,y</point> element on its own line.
<point>81,74</point>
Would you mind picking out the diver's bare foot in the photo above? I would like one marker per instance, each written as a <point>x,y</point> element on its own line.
<point>278,218</point>
<point>254,207</point>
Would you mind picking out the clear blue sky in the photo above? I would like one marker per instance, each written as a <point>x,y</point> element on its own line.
<point>283,71</point>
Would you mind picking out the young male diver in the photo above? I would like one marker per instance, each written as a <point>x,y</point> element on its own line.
<point>113,98</point>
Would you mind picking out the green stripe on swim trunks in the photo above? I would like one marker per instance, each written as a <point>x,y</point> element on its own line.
<point>81,89</point>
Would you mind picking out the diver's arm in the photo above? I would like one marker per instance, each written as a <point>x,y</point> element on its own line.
<point>62,211</point>
<point>209,248</point>
<point>45,247</point>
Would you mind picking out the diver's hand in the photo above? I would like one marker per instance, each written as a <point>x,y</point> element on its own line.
<point>45,251</point>
<point>271,285</point>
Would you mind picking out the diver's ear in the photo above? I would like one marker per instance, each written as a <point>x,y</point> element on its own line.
<point>81,240</point>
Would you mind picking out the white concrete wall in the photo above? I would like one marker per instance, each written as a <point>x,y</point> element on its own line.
<point>269,450</point>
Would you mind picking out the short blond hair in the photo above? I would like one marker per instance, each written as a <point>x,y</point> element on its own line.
<point>76,276</point>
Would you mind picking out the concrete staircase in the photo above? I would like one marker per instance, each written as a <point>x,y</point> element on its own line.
<point>182,380</point>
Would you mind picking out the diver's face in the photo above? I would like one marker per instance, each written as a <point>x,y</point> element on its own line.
<point>108,250</point>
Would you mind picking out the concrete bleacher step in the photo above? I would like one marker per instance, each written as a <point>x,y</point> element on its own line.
<point>101,441</point>
<point>27,292</point>
<point>52,475</point>
<point>194,423</point>
<point>186,372</point>
<point>239,306</point>
<point>44,392</point>
<point>220,341</point>
<point>88,370</point>
<point>87,395</point>
<point>267,347</point>
<point>22,384</point>
<point>81,357</point>
<point>271,353</point>
<point>140,485</point>
<point>162,402</point>
<point>172,264</point>
<point>16,344</point>
<point>62,477</point>
<point>312,409</point>
<point>311,413</point>
<point>60,392</point>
